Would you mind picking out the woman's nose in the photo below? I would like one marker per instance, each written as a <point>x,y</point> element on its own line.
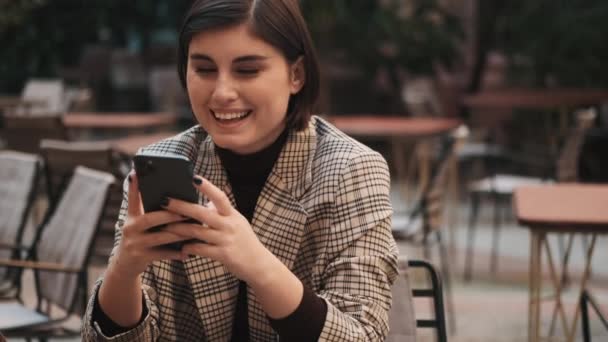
<point>224,91</point>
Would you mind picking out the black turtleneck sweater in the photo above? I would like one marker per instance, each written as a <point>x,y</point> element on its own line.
<point>247,175</point>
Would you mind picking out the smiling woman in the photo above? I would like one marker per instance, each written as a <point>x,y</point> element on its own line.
<point>295,215</point>
<point>240,91</point>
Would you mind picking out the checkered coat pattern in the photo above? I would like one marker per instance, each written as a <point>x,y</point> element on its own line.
<point>324,212</point>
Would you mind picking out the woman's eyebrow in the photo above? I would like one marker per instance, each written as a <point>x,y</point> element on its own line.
<point>249,58</point>
<point>241,59</point>
<point>200,56</point>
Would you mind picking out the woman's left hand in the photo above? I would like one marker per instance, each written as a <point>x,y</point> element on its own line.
<point>227,235</point>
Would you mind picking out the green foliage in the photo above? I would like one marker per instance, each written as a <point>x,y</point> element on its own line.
<point>38,36</point>
<point>411,34</point>
<point>562,40</point>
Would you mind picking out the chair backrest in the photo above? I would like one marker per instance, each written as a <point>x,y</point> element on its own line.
<point>67,236</point>
<point>18,179</point>
<point>402,319</point>
<point>60,160</point>
<point>24,133</point>
<point>431,203</point>
<point>50,92</point>
<point>567,163</point>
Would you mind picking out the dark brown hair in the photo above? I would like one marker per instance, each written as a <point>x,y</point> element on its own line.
<point>277,22</point>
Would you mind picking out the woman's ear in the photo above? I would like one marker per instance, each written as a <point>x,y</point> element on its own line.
<point>297,76</point>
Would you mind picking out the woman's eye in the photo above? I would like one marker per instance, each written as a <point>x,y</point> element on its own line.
<point>205,70</point>
<point>244,71</point>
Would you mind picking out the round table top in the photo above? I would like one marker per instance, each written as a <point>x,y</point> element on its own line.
<point>529,98</point>
<point>131,144</point>
<point>118,119</point>
<point>393,126</point>
<point>563,207</point>
<point>15,101</point>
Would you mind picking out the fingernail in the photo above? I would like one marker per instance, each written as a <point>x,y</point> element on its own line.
<point>164,202</point>
<point>197,181</point>
<point>130,179</point>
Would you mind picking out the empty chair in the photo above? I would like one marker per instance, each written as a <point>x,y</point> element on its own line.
<point>60,259</point>
<point>402,319</point>
<point>61,159</point>
<point>423,224</point>
<point>18,180</point>
<point>435,292</point>
<point>24,133</point>
<point>500,187</point>
<point>48,96</point>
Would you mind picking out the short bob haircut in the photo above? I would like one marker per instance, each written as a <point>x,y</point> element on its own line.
<point>277,22</point>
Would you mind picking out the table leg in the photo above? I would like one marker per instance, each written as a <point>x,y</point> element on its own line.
<point>401,167</point>
<point>423,150</point>
<point>558,285</point>
<point>454,190</point>
<point>584,281</point>
<point>535,280</point>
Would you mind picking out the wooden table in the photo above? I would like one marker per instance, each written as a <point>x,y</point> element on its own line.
<point>394,127</point>
<point>131,144</point>
<point>118,120</point>
<point>10,101</point>
<point>529,98</point>
<point>549,100</point>
<point>559,209</point>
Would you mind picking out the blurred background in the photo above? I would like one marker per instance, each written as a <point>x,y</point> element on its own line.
<point>520,85</point>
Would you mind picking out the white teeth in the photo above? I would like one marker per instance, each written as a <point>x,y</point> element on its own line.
<point>229,116</point>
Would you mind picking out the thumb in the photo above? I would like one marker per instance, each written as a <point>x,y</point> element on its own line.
<point>134,205</point>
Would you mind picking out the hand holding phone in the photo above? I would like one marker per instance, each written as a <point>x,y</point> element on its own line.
<point>162,175</point>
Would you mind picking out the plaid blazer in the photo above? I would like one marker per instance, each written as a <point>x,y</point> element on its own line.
<point>324,212</point>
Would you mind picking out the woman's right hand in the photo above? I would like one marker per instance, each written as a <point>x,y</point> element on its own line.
<point>138,246</point>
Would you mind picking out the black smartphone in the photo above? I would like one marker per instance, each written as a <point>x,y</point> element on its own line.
<point>161,175</point>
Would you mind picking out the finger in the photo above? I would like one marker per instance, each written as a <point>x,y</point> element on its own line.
<point>163,253</point>
<point>201,249</point>
<point>134,206</point>
<point>196,231</point>
<point>156,218</point>
<point>214,194</point>
<point>160,238</point>
<point>202,214</point>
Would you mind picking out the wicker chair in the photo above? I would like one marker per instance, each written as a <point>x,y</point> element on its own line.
<point>19,173</point>
<point>60,259</point>
<point>24,133</point>
<point>60,160</point>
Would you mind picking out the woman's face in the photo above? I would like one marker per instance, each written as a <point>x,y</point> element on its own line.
<point>239,87</point>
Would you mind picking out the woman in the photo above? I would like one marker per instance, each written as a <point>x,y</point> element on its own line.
<point>296,215</point>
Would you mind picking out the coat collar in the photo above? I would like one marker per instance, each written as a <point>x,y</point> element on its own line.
<point>289,179</point>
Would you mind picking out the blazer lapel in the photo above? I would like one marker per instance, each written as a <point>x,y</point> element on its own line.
<point>279,218</point>
<point>214,288</point>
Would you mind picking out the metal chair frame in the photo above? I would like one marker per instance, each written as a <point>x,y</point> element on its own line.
<point>436,293</point>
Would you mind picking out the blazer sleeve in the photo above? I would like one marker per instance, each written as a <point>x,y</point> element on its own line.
<point>356,282</point>
<point>147,330</point>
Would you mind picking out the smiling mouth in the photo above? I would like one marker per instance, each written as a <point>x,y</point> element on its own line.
<point>230,116</point>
